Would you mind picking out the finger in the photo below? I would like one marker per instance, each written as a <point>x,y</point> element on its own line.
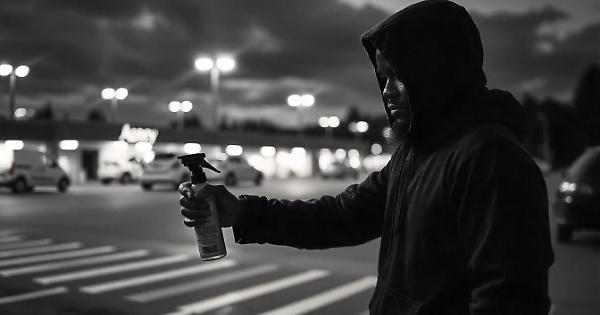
<point>197,204</point>
<point>189,222</point>
<point>210,190</point>
<point>195,214</point>
<point>185,189</point>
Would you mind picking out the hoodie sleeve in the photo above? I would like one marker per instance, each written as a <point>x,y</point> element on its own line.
<point>503,226</point>
<point>353,217</point>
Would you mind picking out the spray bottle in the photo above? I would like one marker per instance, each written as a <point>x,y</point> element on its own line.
<point>208,234</point>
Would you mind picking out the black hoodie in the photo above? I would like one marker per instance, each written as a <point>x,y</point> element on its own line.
<point>461,208</point>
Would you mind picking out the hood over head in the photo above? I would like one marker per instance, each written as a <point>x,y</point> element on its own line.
<point>435,49</point>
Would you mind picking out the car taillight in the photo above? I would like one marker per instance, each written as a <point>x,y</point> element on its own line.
<point>11,169</point>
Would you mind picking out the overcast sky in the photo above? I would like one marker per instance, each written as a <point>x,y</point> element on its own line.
<point>75,48</point>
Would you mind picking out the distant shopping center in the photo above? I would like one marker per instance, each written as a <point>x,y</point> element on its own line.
<point>81,147</point>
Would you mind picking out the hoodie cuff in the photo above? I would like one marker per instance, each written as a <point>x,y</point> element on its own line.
<point>250,228</point>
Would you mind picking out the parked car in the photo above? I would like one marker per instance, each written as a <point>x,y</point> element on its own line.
<point>23,170</point>
<point>124,172</point>
<point>339,170</point>
<point>577,203</point>
<point>164,169</point>
<point>233,170</point>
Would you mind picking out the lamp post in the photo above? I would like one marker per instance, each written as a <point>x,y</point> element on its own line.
<point>114,96</point>
<point>300,101</point>
<point>180,108</point>
<point>223,64</point>
<point>328,123</point>
<point>20,72</point>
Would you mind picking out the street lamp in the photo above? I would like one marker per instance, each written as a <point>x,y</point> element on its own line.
<point>180,108</point>
<point>328,123</point>
<point>358,128</point>
<point>221,64</point>
<point>114,96</point>
<point>300,101</point>
<point>21,72</point>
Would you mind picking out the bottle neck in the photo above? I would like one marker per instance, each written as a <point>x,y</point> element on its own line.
<point>198,178</point>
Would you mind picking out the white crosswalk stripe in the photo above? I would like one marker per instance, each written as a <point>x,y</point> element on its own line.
<point>135,281</point>
<point>96,272</point>
<point>56,256</point>
<point>33,295</point>
<point>72,263</point>
<point>11,238</point>
<point>249,293</point>
<point>196,285</point>
<point>41,249</point>
<point>24,244</point>
<point>325,298</point>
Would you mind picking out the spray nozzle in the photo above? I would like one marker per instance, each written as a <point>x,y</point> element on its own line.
<point>195,162</point>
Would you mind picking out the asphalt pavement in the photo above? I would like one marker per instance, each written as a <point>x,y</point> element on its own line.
<point>120,250</point>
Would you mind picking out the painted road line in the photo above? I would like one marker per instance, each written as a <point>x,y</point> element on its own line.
<point>33,295</point>
<point>72,263</point>
<point>40,249</point>
<point>57,256</point>
<point>196,285</point>
<point>249,293</point>
<point>11,238</point>
<point>135,281</point>
<point>325,298</point>
<point>97,272</point>
<point>42,242</point>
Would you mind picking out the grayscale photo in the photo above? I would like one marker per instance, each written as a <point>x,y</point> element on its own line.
<point>316,157</point>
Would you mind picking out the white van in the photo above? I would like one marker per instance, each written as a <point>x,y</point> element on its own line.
<point>23,170</point>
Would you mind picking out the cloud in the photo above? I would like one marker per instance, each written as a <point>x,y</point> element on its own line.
<point>76,48</point>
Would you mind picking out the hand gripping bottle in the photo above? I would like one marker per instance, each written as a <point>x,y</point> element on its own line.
<point>208,234</point>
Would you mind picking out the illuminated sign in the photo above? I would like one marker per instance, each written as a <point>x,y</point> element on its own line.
<point>135,135</point>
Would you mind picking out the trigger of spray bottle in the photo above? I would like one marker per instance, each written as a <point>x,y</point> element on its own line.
<point>209,235</point>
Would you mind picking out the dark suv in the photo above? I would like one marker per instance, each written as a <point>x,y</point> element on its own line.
<point>578,196</point>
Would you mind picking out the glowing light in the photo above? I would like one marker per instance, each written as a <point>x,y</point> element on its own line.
<point>22,71</point>
<point>186,106</point>
<point>333,121</point>
<point>20,112</point>
<point>225,64</point>
<point>298,152</point>
<point>294,100</point>
<point>121,93</point>
<point>68,145</point>
<point>191,148</point>
<point>148,156</point>
<point>376,148</point>
<point>174,106</point>
<point>203,64</point>
<point>108,93</point>
<point>268,151</point>
<point>567,187</point>
<point>354,158</point>
<point>362,126</point>
<point>234,150</point>
<point>340,154</point>
<point>143,146</point>
<point>257,162</point>
<point>120,145</point>
<point>5,69</point>
<point>323,122</point>
<point>325,158</point>
<point>307,100</point>
<point>14,144</point>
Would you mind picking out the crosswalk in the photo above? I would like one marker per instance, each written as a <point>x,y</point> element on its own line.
<point>171,284</point>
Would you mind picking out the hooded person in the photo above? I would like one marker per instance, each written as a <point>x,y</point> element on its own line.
<point>461,208</point>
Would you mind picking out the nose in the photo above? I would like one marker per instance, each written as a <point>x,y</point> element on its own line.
<point>389,92</point>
